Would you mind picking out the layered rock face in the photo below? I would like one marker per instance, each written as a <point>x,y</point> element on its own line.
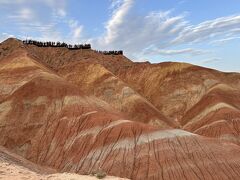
<point>79,111</point>
<point>203,101</point>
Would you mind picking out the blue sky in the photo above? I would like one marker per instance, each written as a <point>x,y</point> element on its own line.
<point>205,32</point>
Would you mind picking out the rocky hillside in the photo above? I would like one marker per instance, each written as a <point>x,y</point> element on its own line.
<point>80,111</point>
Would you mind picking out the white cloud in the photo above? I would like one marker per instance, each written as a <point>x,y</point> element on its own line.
<point>12,1</point>
<point>208,29</point>
<point>182,2</point>
<point>42,24</point>
<point>210,60</point>
<point>167,52</point>
<point>135,33</point>
<point>235,31</point>
<point>157,32</point>
<point>114,24</point>
<point>115,4</point>
<point>61,12</point>
<point>221,41</point>
<point>76,31</point>
<point>4,36</point>
<point>59,6</point>
<point>23,14</point>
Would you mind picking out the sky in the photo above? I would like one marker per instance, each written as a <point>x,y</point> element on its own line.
<point>201,32</point>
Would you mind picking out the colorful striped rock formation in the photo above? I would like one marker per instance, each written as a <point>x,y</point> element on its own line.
<point>81,112</point>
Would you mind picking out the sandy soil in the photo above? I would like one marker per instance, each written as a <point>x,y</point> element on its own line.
<point>10,171</point>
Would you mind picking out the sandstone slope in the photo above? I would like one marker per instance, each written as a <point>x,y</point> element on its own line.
<point>203,101</point>
<point>47,119</point>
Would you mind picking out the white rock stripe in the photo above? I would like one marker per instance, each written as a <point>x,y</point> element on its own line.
<point>129,144</point>
<point>208,110</point>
